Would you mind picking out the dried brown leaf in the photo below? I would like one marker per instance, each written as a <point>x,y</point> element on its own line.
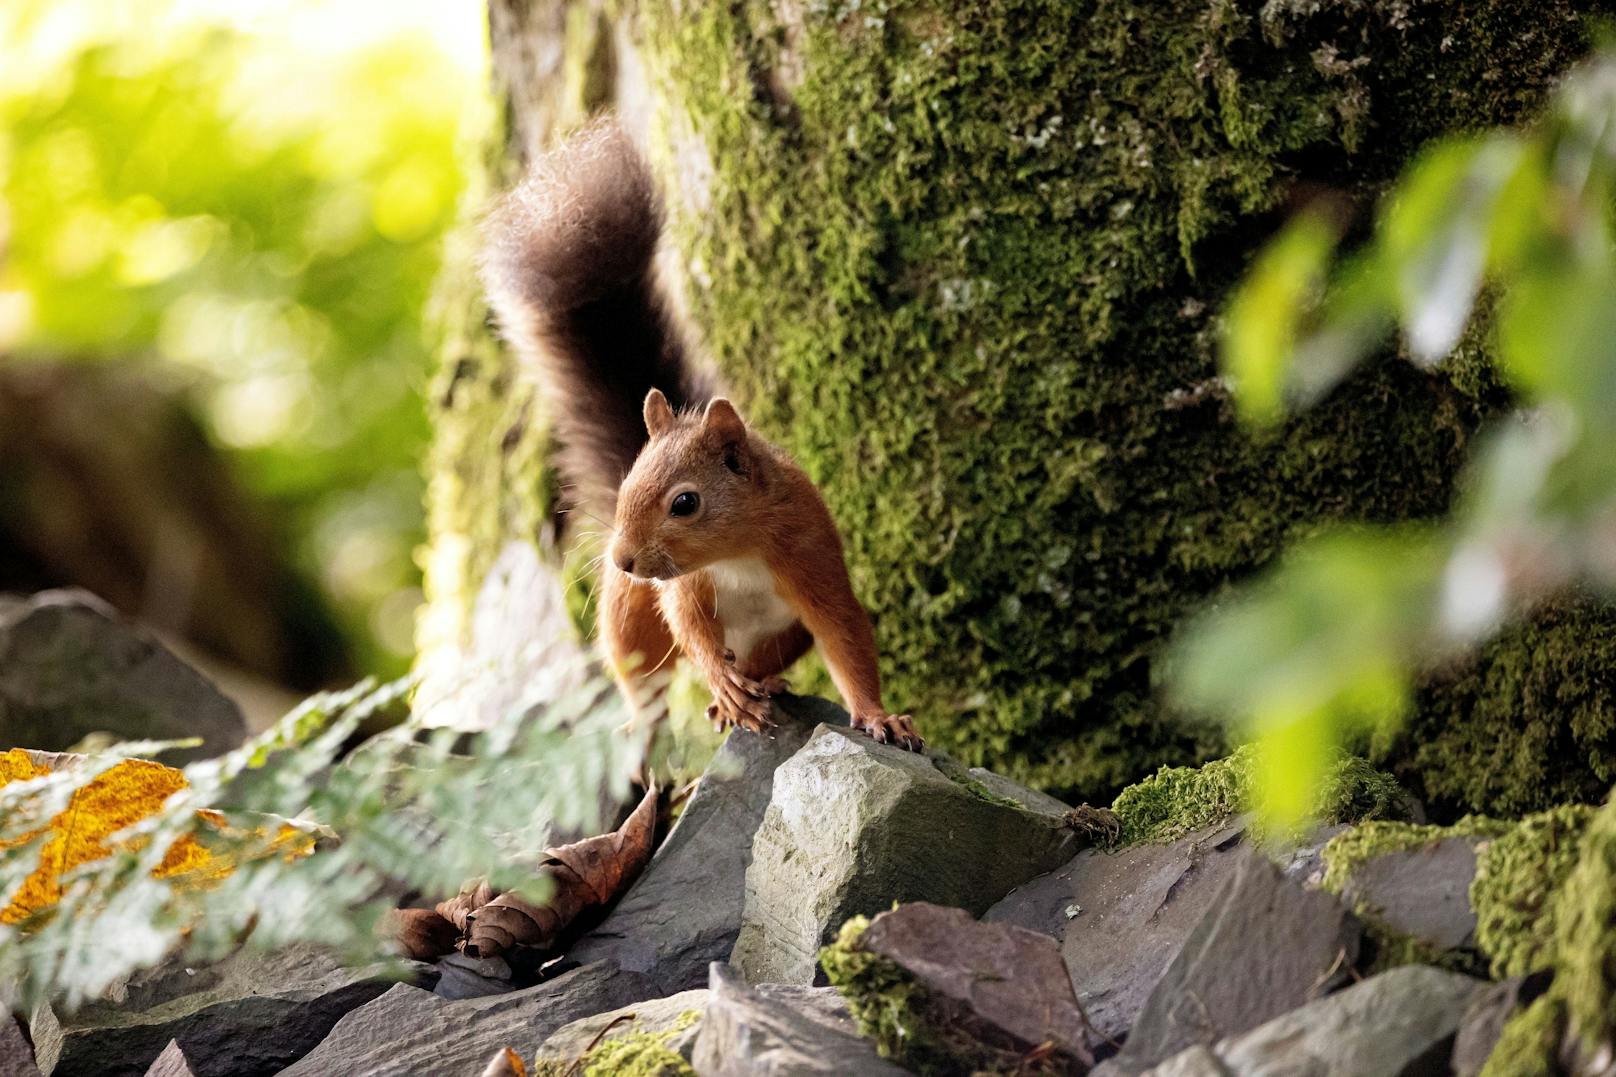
<point>581,875</point>
<point>607,863</point>
<point>473,896</point>
<point>422,934</point>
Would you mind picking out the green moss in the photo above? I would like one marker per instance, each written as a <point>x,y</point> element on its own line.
<point>880,996</point>
<point>922,1033</point>
<point>1517,877</point>
<point>967,271</point>
<point>1585,938</point>
<point>1530,1044</point>
<point>1528,723</point>
<point>634,1054</point>
<point>1177,800</point>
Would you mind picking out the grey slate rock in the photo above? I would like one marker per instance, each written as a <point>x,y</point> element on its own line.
<point>1400,1023</point>
<point>567,1043</point>
<point>249,1014</point>
<point>1001,984</point>
<point>70,666</point>
<point>1305,863</point>
<point>410,1031</point>
<point>781,1030</point>
<point>1266,946</point>
<point>1031,799</point>
<point>1422,892</point>
<point>684,912</point>
<point>854,826</point>
<point>16,1057</point>
<point>460,976</point>
<point>171,1063</point>
<point>1122,917</point>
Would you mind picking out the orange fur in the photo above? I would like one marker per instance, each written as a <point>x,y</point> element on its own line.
<point>756,508</point>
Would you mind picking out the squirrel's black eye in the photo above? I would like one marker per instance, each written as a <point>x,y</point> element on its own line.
<point>685,504</point>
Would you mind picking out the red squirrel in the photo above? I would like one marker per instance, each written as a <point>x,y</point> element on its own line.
<point>721,548</point>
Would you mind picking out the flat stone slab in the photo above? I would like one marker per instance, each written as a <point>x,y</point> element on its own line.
<point>1422,892</point>
<point>251,1014</point>
<point>1121,918</point>
<point>781,1030</point>
<point>1266,946</point>
<point>1400,1022</point>
<point>70,666</point>
<point>410,1031</point>
<point>684,912</point>
<point>854,826</point>
<point>1001,983</point>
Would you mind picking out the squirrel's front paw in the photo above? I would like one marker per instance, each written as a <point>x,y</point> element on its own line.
<point>896,729</point>
<point>738,700</point>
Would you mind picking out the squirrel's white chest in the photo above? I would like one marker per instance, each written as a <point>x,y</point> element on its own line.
<point>746,603</point>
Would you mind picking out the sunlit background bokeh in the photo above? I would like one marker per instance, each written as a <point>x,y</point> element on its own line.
<point>220,225</point>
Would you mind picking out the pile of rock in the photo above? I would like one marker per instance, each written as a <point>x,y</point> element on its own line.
<point>828,905</point>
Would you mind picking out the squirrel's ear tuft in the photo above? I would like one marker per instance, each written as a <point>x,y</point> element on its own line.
<point>723,422</point>
<point>658,415</point>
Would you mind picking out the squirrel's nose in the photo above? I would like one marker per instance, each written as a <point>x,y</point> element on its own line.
<point>626,563</point>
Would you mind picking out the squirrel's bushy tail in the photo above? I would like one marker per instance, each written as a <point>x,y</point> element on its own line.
<point>569,270</point>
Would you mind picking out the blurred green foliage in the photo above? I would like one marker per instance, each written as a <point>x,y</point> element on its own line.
<point>403,812</point>
<point>266,223</point>
<point>1512,229</point>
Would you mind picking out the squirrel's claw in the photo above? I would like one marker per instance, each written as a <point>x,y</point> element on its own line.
<point>896,729</point>
<point>740,701</point>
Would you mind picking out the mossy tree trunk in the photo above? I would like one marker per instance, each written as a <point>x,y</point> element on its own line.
<point>966,262</point>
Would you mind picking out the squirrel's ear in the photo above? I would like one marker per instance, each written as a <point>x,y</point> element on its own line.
<point>723,421</point>
<point>658,415</point>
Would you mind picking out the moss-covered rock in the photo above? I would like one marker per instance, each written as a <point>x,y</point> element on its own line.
<point>906,1024</point>
<point>1544,895</point>
<point>638,1053</point>
<point>1388,945</point>
<point>1521,867</point>
<point>967,270</point>
<point>1177,800</point>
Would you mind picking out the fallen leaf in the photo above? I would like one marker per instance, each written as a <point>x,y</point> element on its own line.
<point>577,877</point>
<point>473,896</point>
<point>423,934</point>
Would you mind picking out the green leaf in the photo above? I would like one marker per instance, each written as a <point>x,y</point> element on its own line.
<point>1265,316</point>
<point>1435,234</point>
